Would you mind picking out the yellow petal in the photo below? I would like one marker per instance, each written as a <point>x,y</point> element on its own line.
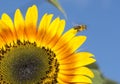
<point>70,47</point>
<point>45,22</point>
<point>78,71</point>
<point>2,42</point>
<point>54,26</point>
<point>76,57</point>
<point>74,65</point>
<point>8,21</point>
<point>65,38</point>
<point>82,83</point>
<point>63,82</point>
<point>42,23</point>
<point>31,23</point>
<point>60,81</point>
<point>43,27</point>
<point>74,78</point>
<point>19,25</point>
<point>58,34</point>
<point>5,33</point>
<point>51,31</point>
<point>61,28</point>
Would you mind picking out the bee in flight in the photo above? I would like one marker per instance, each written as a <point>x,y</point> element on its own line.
<point>80,28</point>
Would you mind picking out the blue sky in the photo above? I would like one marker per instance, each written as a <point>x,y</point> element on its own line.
<point>102,18</point>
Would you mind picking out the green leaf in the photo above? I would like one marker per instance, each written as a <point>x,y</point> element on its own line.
<point>108,81</point>
<point>93,66</point>
<point>98,79</point>
<point>58,6</point>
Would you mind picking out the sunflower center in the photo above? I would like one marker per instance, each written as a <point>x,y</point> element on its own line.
<point>28,64</point>
<point>26,68</point>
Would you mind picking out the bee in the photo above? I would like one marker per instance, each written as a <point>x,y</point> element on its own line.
<point>80,28</point>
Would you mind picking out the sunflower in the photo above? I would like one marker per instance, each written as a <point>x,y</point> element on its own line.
<point>31,54</point>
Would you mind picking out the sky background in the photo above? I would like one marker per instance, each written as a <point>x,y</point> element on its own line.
<point>102,18</point>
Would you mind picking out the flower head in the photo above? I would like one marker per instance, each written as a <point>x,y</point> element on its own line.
<point>31,54</point>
